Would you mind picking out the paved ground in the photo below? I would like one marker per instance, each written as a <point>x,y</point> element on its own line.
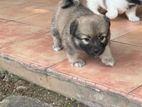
<point>25,37</point>
<point>21,101</point>
<point>16,92</point>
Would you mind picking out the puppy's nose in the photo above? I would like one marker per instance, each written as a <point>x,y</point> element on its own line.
<point>95,44</point>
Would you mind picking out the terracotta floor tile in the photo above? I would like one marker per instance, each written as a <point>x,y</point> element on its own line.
<point>13,32</point>
<point>47,3</point>
<point>122,26</point>
<point>137,93</point>
<point>132,38</point>
<point>123,77</point>
<point>36,51</point>
<point>42,20</point>
<point>21,11</point>
<point>10,3</point>
<point>3,21</point>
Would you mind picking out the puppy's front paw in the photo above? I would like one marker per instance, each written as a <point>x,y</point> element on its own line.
<point>57,48</point>
<point>134,19</point>
<point>108,61</point>
<point>79,63</point>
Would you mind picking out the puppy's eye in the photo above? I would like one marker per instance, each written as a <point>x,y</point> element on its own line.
<point>102,38</point>
<point>86,40</point>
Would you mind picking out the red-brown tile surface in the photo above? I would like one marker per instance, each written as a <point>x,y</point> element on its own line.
<point>137,94</point>
<point>132,38</point>
<point>42,20</point>
<point>14,32</point>
<point>46,3</point>
<point>22,10</point>
<point>10,3</point>
<point>123,77</point>
<point>3,20</point>
<point>36,51</point>
<point>122,26</point>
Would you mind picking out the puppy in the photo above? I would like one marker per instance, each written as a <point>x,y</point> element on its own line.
<point>74,28</point>
<point>115,7</point>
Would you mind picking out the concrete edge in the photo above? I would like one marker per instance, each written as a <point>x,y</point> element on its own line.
<point>91,96</point>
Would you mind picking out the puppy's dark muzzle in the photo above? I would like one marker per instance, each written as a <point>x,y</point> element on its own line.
<point>93,50</point>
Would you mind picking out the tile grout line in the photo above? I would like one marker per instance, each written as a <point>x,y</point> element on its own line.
<point>20,18</point>
<point>134,89</point>
<point>16,21</point>
<point>15,41</point>
<point>32,14</point>
<point>123,34</point>
<point>125,43</point>
<point>15,4</point>
<point>56,64</point>
<point>97,86</point>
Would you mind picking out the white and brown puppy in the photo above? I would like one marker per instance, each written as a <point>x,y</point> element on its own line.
<point>74,28</point>
<point>115,7</point>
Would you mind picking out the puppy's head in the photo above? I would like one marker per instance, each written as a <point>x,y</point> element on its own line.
<point>91,34</point>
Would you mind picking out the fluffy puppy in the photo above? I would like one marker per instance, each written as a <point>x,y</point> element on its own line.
<point>115,7</point>
<point>74,28</point>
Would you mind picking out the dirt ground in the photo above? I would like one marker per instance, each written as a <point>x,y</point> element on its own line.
<point>13,85</point>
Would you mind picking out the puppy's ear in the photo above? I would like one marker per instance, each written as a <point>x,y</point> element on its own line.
<point>69,3</point>
<point>73,27</point>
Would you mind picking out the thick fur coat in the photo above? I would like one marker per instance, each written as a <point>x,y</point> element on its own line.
<point>75,27</point>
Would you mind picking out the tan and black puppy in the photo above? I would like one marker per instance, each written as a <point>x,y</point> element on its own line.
<point>75,27</point>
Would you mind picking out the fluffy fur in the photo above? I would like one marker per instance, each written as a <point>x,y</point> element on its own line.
<point>115,7</point>
<point>74,28</point>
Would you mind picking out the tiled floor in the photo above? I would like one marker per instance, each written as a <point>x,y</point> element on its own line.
<point>25,36</point>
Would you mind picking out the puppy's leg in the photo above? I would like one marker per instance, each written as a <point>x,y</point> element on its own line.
<point>75,60</point>
<point>57,43</point>
<point>72,53</point>
<point>131,14</point>
<point>107,57</point>
<point>112,13</point>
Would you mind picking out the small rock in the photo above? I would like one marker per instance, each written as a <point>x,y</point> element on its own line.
<point>7,77</point>
<point>20,83</point>
<point>2,74</point>
<point>22,101</point>
<point>21,88</point>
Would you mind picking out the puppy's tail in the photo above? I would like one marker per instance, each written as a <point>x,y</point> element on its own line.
<point>70,3</point>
